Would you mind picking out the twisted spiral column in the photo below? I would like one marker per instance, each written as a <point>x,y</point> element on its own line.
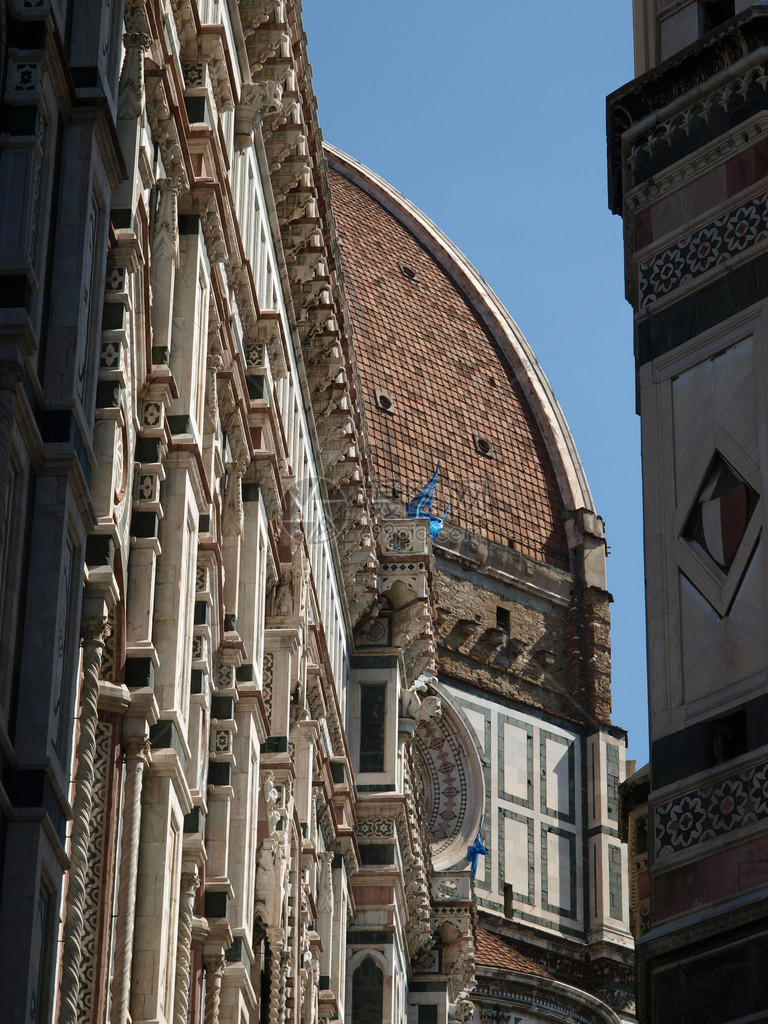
<point>136,759</point>
<point>275,937</point>
<point>94,631</point>
<point>214,969</point>
<point>285,960</point>
<point>190,883</point>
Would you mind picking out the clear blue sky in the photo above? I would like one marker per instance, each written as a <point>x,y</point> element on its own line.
<point>492,120</point>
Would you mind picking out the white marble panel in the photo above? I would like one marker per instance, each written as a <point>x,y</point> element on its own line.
<point>559,871</point>
<point>558,775</point>
<point>746,625</point>
<point>735,404</point>
<point>477,721</point>
<point>692,428</point>
<point>516,855</point>
<point>515,766</point>
<point>703,650</point>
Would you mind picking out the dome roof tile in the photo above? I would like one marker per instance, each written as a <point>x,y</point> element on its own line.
<point>422,341</point>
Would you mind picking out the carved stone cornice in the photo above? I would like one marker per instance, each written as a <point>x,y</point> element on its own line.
<point>254,13</point>
<point>258,100</point>
<point>264,42</point>
<point>711,60</point>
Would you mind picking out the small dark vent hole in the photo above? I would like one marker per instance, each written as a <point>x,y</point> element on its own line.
<point>408,272</point>
<point>483,446</point>
<point>384,401</point>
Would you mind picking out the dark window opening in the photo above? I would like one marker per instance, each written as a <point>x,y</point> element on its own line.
<point>641,836</point>
<point>373,706</point>
<point>264,979</point>
<point>367,993</point>
<point>729,736</point>
<point>714,12</point>
<point>502,620</point>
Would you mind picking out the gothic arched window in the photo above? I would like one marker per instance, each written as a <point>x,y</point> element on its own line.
<point>367,993</point>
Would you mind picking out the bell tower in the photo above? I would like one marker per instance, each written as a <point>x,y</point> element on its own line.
<point>688,173</point>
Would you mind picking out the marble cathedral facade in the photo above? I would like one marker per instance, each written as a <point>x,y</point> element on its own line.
<point>228,688</point>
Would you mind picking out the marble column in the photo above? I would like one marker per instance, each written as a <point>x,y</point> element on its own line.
<point>164,256</point>
<point>325,910</point>
<point>276,939</point>
<point>136,759</point>
<point>214,969</point>
<point>190,883</point>
<point>94,631</point>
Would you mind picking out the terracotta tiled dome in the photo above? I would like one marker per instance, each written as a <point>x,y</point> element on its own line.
<point>424,343</point>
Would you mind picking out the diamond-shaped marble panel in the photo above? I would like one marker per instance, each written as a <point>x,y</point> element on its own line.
<point>720,527</point>
<point>721,513</point>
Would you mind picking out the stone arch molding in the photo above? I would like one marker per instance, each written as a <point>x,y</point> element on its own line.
<point>453,784</point>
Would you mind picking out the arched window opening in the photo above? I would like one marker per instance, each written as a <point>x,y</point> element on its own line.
<point>367,993</point>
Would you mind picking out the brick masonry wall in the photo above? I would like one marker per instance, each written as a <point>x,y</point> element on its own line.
<point>554,659</point>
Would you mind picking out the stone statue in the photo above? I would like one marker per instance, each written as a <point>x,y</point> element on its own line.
<point>461,1012</point>
<point>430,708</point>
<point>410,701</point>
<point>265,869</point>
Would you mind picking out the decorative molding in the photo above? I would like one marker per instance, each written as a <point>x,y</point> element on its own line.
<point>93,874</point>
<point>722,57</point>
<point>713,810</point>
<point>375,828</point>
<point>94,630</point>
<point>703,250</point>
<point>690,120</point>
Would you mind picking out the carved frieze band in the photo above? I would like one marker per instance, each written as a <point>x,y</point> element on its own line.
<point>693,118</point>
<point>692,818</point>
<point>703,250</point>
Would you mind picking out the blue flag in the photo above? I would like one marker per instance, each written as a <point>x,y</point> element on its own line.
<point>421,505</point>
<point>477,849</point>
